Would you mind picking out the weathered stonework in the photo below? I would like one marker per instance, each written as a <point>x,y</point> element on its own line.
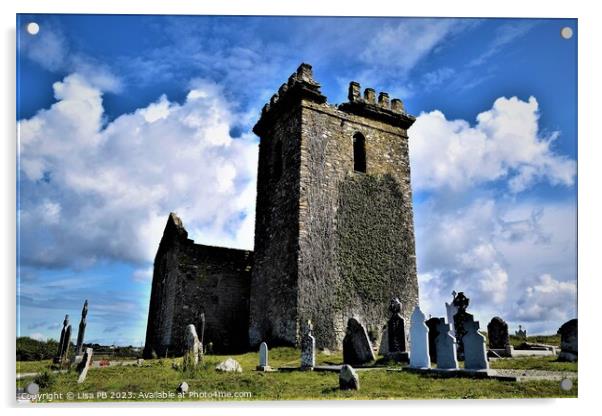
<point>191,279</point>
<point>334,233</point>
<point>330,242</point>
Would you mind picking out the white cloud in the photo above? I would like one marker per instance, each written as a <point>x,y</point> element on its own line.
<point>114,185</point>
<point>38,336</point>
<point>506,143</point>
<point>494,251</point>
<point>143,275</point>
<point>547,299</point>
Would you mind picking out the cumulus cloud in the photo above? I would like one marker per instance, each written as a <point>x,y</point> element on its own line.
<point>92,191</point>
<point>506,143</point>
<point>546,300</point>
<point>493,250</point>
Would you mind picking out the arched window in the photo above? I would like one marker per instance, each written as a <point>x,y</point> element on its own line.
<point>359,153</point>
<point>277,171</point>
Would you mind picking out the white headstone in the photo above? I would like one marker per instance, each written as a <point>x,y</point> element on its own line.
<point>263,357</point>
<point>384,342</point>
<point>475,351</point>
<point>84,365</point>
<point>308,349</point>
<point>451,311</point>
<point>419,340</point>
<point>446,348</point>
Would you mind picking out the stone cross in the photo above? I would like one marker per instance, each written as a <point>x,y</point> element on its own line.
<point>461,302</point>
<point>82,330</point>
<point>446,347</point>
<point>568,341</point>
<point>419,337</point>
<point>497,333</point>
<point>194,349</point>
<point>357,348</point>
<point>521,333</point>
<point>84,365</point>
<point>432,325</point>
<point>475,351</point>
<point>263,358</point>
<point>64,342</point>
<point>396,328</point>
<point>308,348</point>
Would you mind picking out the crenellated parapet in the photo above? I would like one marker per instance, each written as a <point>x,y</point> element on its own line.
<point>300,85</point>
<point>384,109</point>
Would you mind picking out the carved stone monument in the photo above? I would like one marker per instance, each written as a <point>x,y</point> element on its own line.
<point>568,341</point>
<point>357,349</point>
<point>263,358</point>
<point>396,336</point>
<point>521,333</point>
<point>446,348</point>
<point>64,343</point>
<point>451,310</point>
<point>82,330</point>
<point>419,338</point>
<point>308,348</point>
<point>461,302</point>
<point>475,351</point>
<point>497,333</point>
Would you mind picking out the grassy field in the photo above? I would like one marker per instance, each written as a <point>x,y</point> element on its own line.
<point>148,383</point>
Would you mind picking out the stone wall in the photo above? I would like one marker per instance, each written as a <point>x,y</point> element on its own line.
<point>350,233</point>
<point>190,279</point>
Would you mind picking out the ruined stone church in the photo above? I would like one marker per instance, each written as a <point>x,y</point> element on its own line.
<point>334,233</point>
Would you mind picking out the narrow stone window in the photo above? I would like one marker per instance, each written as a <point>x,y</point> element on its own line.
<point>359,153</point>
<point>277,172</point>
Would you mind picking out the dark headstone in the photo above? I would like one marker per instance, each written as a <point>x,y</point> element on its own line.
<point>82,330</point>
<point>357,349</point>
<point>396,329</point>
<point>497,333</point>
<point>461,302</point>
<point>568,341</point>
<point>433,324</point>
<point>64,342</point>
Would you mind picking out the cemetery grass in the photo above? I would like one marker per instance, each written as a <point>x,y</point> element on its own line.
<point>128,382</point>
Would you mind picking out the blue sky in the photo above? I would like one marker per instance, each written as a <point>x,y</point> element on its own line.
<point>123,119</point>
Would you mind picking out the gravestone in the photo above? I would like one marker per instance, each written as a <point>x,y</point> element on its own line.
<point>64,343</point>
<point>229,366</point>
<point>357,349</point>
<point>308,348</point>
<point>396,336</point>
<point>193,349</point>
<point>521,333</point>
<point>84,365</point>
<point>461,302</point>
<point>475,351</point>
<point>446,347</point>
<point>451,310</point>
<point>419,338</point>
<point>432,324</point>
<point>82,329</point>
<point>263,358</point>
<point>497,333</point>
<point>568,341</point>
<point>348,378</point>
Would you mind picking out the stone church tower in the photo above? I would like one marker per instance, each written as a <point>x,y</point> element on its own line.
<point>334,234</point>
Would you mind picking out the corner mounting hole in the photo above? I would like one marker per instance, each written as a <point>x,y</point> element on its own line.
<point>566,32</point>
<point>33,28</point>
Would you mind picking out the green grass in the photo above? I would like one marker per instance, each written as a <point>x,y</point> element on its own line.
<point>537,339</point>
<point>126,383</point>
<point>533,363</point>
<point>33,366</point>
